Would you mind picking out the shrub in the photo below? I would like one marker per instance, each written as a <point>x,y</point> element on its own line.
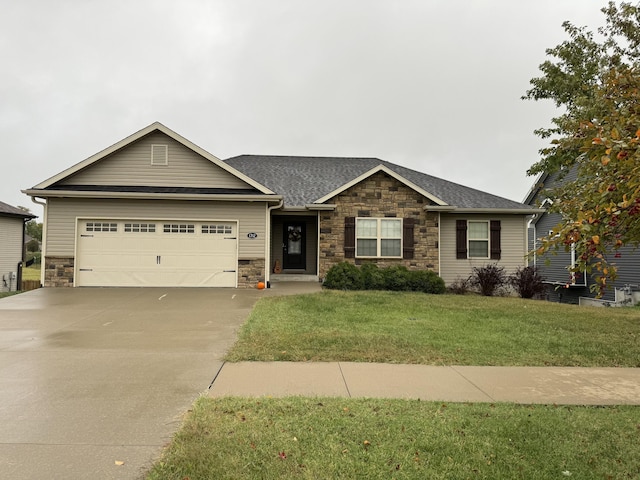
<point>344,276</point>
<point>396,278</point>
<point>488,278</point>
<point>425,281</point>
<point>527,281</point>
<point>459,286</point>
<point>372,277</point>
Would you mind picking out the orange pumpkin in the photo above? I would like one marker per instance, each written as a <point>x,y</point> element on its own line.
<point>261,285</point>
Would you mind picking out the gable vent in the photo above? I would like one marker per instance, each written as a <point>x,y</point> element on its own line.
<point>159,155</point>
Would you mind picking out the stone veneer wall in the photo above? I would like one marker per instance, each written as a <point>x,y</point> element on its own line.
<point>250,272</point>
<point>380,196</point>
<point>58,271</point>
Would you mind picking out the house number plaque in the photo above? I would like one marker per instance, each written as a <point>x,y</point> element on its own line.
<point>252,235</point>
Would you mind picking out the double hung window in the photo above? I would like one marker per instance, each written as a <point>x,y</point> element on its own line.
<point>478,239</point>
<point>379,237</point>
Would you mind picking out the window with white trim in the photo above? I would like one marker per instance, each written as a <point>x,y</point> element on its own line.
<point>101,227</point>
<point>379,237</point>
<point>139,227</point>
<point>478,238</point>
<point>179,228</point>
<point>218,228</point>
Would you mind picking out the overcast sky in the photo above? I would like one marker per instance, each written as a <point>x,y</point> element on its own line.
<point>433,85</point>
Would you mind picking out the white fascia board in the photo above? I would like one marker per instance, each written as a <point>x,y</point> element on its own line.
<point>439,208</point>
<point>321,206</point>
<point>142,195</point>
<point>391,173</point>
<point>138,135</point>
<point>535,188</point>
<point>496,211</point>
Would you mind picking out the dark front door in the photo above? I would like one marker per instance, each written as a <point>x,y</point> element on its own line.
<point>294,252</point>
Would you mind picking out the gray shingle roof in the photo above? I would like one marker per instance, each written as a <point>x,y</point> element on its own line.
<point>6,209</point>
<point>303,180</point>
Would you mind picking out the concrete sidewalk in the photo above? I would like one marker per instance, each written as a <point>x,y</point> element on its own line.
<point>526,385</point>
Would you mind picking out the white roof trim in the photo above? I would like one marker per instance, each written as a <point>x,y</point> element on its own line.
<point>138,135</point>
<point>163,196</point>
<point>388,171</point>
<point>320,207</point>
<point>535,188</point>
<point>495,211</point>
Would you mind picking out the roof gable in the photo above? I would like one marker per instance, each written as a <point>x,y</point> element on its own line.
<point>388,171</point>
<point>128,163</point>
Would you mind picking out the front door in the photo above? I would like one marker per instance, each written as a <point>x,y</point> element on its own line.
<point>294,252</point>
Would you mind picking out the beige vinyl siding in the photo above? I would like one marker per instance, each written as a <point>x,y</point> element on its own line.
<point>10,248</point>
<point>513,243</point>
<point>131,166</point>
<point>62,214</point>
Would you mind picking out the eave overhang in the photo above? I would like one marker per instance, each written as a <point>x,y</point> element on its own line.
<point>44,193</point>
<point>321,206</point>
<point>494,211</point>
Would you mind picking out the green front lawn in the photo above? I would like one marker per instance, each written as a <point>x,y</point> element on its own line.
<point>321,438</point>
<point>312,438</point>
<point>437,329</point>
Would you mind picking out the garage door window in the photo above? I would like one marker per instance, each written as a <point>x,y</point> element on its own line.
<point>139,227</point>
<point>218,228</point>
<point>101,227</point>
<point>179,228</point>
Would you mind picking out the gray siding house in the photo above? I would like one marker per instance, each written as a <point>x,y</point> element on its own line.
<point>157,210</point>
<point>563,285</point>
<point>12,235</point>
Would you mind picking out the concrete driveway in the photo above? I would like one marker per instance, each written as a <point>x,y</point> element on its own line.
<point>91,377</point>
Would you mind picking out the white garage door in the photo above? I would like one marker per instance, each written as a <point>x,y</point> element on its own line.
<point>156,253</point>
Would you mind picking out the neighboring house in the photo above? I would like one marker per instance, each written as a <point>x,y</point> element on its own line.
<point>12,234</point>
<point>562,284</point>
<point>156,210</point>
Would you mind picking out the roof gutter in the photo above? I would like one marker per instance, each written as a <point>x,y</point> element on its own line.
<point>320,206</point>
<point>505,211</point>
<point>145,195</point>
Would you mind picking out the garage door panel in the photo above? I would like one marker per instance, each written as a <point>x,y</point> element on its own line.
<point>126,253</point>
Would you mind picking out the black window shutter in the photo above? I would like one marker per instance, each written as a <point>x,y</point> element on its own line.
<point>495,240</point>
<point>407,238</point>
<point>461,239</point>
<point>349,237</point>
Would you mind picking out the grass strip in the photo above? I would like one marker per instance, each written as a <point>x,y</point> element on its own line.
<point>394,327</point>
<point>322,438</point>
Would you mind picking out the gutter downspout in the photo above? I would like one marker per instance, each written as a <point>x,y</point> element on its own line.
<point>439,244</point>
<point>23,257</point>
<point>44,237</point>
<point>267,244</point>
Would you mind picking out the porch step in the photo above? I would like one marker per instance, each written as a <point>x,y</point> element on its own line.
<point>293,277</point>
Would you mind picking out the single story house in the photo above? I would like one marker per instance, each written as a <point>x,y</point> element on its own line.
<point>12,234</point>
<point>563,285</point>
<point>157,210</point>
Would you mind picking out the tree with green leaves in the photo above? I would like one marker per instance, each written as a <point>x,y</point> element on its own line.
<point>594,80</point>
<point>34,229</point>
